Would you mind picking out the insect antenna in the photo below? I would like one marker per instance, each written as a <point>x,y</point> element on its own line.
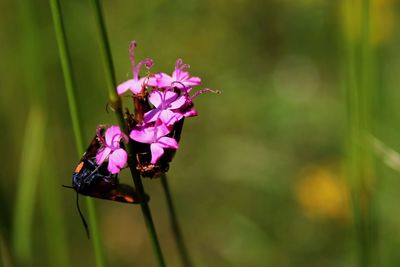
<point>83,218</point>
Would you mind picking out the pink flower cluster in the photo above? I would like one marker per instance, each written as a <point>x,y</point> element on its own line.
<point>161,102</point>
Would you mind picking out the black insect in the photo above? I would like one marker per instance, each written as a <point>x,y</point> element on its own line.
<point>91,179</point>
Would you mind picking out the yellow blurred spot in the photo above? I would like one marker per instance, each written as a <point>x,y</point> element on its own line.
<point>381,20</point>
<point>322,194</point>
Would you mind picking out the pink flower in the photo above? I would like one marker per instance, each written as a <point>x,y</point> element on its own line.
<point>156,137</point>
<point>136,84</point>
<point>166,107</point>
<point>179,78</point>
<point>117,157</point>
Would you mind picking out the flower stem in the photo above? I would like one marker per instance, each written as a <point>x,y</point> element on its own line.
<point>176,230</point>
<point>116,104</point>
<point>360,165</point>
<point>145,210</point>
<point>33,145</point>
<point>76,122</point>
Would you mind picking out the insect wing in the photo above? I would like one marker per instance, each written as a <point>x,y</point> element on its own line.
<point>121,193</point>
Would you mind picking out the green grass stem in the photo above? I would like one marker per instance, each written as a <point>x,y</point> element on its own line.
<point>34,136</point>
<point>76,122</point>
<point>34,66</point>
<point>360,166</point>
<point>176,229</point>
<point>54,221</point>
<point>116,103</point>
<point>31,156</point>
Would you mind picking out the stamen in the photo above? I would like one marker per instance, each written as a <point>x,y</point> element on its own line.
<point>185,89</point>
<point>113,140</point>
<point>120,135</point>
<point>132,55</point>
<point>206,90</point>
<point>178,62</point>
<point>179,69</point>
<point>148,63</point>
<point>162,97</point>
<point>185,66</point>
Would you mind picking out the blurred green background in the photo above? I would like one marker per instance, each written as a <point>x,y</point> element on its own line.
<point>259,177</point>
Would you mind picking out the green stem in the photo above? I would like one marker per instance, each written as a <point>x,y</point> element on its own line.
<point>146,210</point>
<point>116,103</point>
<point>54,219</point>
<point>359,84</point>
<point>176,230</point>
<point>76,122</point>
<point>33,144</point>
<point>34,137</point>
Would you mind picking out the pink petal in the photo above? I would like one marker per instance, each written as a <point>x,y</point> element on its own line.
<point>117,160</point>
<point>178,116</point>
<point>152,115</point>
<point>125,86</point>
<point>155,98</point>
<point>152,81</point>
<point>134,85</point>
<point>156,152</point>
<point>170,96</point>
<point>179,102</point>
<point>102,155</point>
<point>190,113</point>
<point>167,142</point>
<point>143,134</point>
<point>137,87</point>
<point>113,136</point>
<point>161,129</point>
<point>193,81</point>
<point>167,117</point>
<point>148,134</point>
<point>164,80</point>
<point>183,75</point>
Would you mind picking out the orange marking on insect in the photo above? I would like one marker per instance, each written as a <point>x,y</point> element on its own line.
<point>79,167</point>
<point>129,199</point>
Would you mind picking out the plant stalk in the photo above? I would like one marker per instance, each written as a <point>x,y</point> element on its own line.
<point>176,230</point>
<point>116,104</point>
<point>33,145</point>
<point>360,165</point>
<point>76,121</point>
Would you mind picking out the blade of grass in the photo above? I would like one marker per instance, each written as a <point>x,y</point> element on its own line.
<point>360,168</point>
<point>116,103</point>
<point>34,62</point>
<point>368,84</point>
<point>31,156</point>
<point>176,230</point>
<point>76,122</point>
<point>53,218</point>
<point>33,141</point>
